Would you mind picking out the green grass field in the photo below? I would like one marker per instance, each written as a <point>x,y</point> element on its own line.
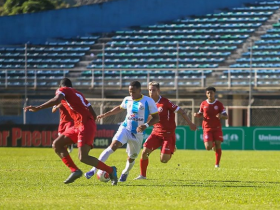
<point>32,178</point>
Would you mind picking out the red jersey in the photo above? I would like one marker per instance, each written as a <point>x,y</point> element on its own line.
<point>209,111</point>
<point>166,113</point>
<point>76,104</point>
<point>64,115</point>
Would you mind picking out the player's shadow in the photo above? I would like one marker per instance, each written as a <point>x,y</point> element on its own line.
<point>204,183</point>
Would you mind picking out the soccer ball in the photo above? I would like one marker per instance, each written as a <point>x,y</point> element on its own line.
<point>102,176</point>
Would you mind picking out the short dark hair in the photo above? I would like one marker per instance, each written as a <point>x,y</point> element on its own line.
<point>154,83</point>
<point>135,84</point>
<point>211,88</point>
<point>65,82</point>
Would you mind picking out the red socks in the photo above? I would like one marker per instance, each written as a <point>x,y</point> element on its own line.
<point>143,166</point>
<point>218,156</point>
<point>69,163</point>
<point>102,166</point>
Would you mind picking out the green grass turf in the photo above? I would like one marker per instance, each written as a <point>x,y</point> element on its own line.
<point>32,178</point>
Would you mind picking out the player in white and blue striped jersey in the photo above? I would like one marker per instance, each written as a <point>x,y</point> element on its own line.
<point>139,108</point>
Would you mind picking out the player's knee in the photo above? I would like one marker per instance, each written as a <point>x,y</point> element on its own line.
<point>54,145</point>
<point>83,158</point>
<point>164,160</point>
<point>131,160</point>
<point>145,155</point>
<point>115,146</point>
<point>208,148</point>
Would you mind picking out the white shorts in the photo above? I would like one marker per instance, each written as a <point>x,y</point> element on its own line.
<point>134,141</point>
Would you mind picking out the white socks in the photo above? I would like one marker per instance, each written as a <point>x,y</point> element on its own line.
<point>128,167</point>
<point>103,157</point>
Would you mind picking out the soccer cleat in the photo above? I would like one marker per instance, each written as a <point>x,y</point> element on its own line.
<point>70,148</point>
<point>123,177</point>
<point>114,176</point>
<point>140,177</point>
<point>89,174</point>
<point>73,176</point>
<point>217,166</point>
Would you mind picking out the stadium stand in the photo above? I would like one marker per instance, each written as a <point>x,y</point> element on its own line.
<point>156,51</point>
<point>46,63</point>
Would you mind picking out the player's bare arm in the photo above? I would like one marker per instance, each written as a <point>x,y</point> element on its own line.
<point>54,101</point>
<point>197,114</point>
<point>56,107</point>
<point>91,110</point>
<point>149,118</point>
<point>189,122</point>
<point>154,119</point>
<point>222,116</point>
<point>113,111</point>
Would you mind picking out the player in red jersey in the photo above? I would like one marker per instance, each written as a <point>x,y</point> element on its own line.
<point>163,134</point>
<point>65,121</point>
<point>212,112</point>
<point>81,133</point>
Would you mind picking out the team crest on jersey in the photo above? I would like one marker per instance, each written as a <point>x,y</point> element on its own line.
<point>160,109</point>
<point>141,107</point>
<point>206,136</point>
<point>216,107</point>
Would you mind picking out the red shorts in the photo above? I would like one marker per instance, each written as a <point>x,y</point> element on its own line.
<point>63,126</point>
<point>213,135</point>
<point>82,135</point>
<point>166,141</point>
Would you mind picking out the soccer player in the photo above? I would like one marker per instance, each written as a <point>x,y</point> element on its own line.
<point>81,133</point>
<point>212,112</point>
<point>65,121</point>
<point>163,134</point>
<point>138,107</point>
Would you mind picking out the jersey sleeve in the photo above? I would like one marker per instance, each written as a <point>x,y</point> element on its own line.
<point>152,106</point>
<point>62,91</point>
<point>57,90</point>
<point>87,103</point>
<point>200,109</point>
<point>172,107</point>
<point>124,103</point>
<point>222,108</point>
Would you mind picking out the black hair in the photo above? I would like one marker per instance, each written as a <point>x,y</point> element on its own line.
<point>135,84</point>
<point>211,88</point>
<point>65,82</point>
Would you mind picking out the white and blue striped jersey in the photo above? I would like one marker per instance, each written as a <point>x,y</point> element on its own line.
<point>137,111</point>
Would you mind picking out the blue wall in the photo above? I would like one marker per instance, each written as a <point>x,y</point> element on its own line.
<point>43,117</point>
<point>116,15</point>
